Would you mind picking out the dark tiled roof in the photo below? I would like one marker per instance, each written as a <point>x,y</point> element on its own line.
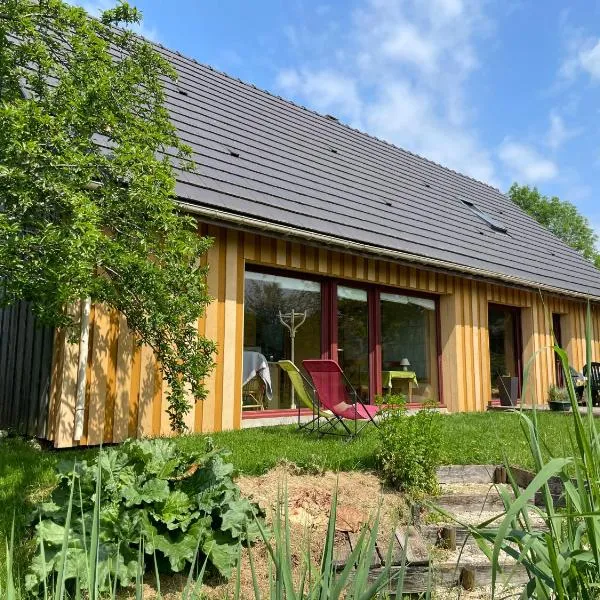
<point>264,157</point>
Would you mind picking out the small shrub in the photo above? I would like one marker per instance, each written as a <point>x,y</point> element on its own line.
<point>409,451</point>
<point>558,394</point>
<point>177,506</point>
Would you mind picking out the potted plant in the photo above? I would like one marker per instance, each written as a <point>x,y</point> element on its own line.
<point>558,399</point>
<point>508,387</point>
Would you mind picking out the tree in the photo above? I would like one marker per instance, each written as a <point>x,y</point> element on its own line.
<point>87,157</point>
<point>560,217</point>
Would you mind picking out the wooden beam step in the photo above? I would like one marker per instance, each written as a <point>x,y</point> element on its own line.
<point>341,551</point>
<point>414,545</point>
<point>470,502</point>
<point>451,474</point>
<point>376,559</point>
<point>419,579</point>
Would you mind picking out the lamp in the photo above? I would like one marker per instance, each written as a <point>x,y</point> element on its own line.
<point>405,363</point>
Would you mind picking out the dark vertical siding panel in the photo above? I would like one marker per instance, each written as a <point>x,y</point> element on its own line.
<point>25,370</point>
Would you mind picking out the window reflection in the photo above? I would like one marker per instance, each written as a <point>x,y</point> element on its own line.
<point>267,340</point>
<point>408,344</point>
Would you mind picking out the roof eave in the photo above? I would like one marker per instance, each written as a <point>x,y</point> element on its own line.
<point>286,230</point>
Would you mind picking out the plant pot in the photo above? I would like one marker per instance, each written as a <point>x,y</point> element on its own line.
<point>559,405</point>
<point>509,390</point>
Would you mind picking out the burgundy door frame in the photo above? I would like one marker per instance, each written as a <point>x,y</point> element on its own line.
<point>518,337</point>
<point>330,329</point>
<point>329,321</point>
<point>558,339</point>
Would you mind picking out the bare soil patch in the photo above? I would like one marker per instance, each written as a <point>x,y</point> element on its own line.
<point>360,496</point>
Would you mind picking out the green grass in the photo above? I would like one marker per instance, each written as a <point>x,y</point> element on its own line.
<point>476,438</point>
<point>486,438</point>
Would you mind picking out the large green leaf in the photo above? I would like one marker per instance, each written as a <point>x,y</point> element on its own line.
<point>237,518</point>
<point>177,503</point>
<point>222,551</point>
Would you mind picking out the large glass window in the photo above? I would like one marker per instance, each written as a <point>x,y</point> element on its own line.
<point>273,304</point>
<point>353,337</point>
<point>409,346</point>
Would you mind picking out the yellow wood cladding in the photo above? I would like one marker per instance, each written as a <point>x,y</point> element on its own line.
<point>126,396</point>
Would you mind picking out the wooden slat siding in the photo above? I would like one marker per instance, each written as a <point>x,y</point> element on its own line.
<point>134,390</point>
<point>157,399</point>
<point>477,366</point>
<point>450,342</point>
<point>229,374</point>
<point>463,316</point>
<point>468,322</point>
<point>211,331</point>
<point>146,392</point>
<point>222,365</point>
<point>542,327</point>
<point>199,404</point>
<point>322,256</point>
<point>111,378</point>
<point>281,251</point>
<point>68,390</point>
<point>123,379</point>
<point>484,338</point>
<point>88,375</point>
<point>528,329</point>
<point>548,342</point>
<point>536,347</point>
<point>239,340</point>
<point>265,253</point>
<point>296,257</point>
<point>99,376</point>
<point>348,270</point>
<point>164,424</point>
<point>336,269</point>
<point>250,246</point>
<point>360,268</point>
<point>58,358</point>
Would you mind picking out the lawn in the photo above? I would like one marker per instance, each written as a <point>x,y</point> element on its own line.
<point>26,472</point>
<point>476,438</point>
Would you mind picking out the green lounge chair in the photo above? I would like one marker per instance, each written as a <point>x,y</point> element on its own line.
<point>305,398</point>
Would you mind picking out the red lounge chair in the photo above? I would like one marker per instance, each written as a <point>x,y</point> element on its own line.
<point>337,395</point>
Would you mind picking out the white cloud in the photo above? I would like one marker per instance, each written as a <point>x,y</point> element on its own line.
<point>589,59</point>
<point>581,52</point>
<point>525,164</point>
<point>559,133</point>
<point>97,7</point>
<point>404,77</point>
<point>329,91</point>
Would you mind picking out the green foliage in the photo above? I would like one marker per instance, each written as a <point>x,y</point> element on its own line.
<point>560,548</point>
<point>558,394</point>
<point>175,505</point>
<point>87,156</point>
<point>409,450</point>
<point>560,217</point>
<point>314,582</point>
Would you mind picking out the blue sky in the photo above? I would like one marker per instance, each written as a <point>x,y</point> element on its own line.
<point>502,91</point>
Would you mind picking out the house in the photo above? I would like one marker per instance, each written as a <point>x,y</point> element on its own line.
<point>387,260</point>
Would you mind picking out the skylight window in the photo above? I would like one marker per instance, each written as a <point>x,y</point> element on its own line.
<point>495,225</point>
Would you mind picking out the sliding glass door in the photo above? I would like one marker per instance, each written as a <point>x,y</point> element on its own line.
<point>504,323</point>
<point>270,303</point>
<point>409,346</point>
<point>385,341</point>
<point>353,337</point>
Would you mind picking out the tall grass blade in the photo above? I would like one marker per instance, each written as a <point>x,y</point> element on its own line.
<point>95,535</point>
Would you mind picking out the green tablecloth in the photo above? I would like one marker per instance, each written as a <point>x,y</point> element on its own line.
<point>388,376</point>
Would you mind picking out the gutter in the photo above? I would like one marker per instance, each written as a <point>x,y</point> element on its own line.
<point>84,338</point>
<point>286,230</point>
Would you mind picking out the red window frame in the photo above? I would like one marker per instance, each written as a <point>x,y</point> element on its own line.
<point>329,326</point>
